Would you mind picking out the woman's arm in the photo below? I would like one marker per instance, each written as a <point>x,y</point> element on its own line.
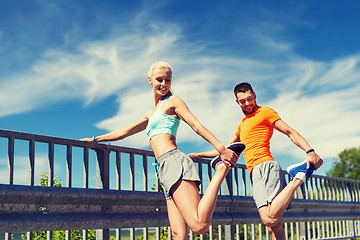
<point>122,133</point>
<point>184,113</point>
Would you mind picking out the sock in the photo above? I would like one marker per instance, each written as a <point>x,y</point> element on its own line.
<point>301,176</point>
<point>219,163</point>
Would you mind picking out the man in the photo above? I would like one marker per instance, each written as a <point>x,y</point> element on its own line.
<point>270,192</point>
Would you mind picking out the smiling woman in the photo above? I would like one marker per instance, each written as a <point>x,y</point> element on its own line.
<point>176,171</point>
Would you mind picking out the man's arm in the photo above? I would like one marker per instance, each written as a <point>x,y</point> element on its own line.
<point>300,141</point>
<point>213,153</point>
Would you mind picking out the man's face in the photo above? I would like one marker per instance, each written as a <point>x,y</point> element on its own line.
<point>247,101</point>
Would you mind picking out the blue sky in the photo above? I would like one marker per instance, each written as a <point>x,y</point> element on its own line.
<point>74,69</point>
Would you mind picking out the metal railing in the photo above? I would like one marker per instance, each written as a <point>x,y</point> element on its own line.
<point>323,208</point>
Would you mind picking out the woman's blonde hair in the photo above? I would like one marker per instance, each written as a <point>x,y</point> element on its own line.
<point>156,65</point>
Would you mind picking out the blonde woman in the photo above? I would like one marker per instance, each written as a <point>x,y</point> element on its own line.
<point>177,172</point>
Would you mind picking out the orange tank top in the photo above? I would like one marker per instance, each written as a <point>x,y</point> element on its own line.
<point>255,131</point>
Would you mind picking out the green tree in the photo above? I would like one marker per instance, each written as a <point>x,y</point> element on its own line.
<point>44,180</point>
<point>347,165</point>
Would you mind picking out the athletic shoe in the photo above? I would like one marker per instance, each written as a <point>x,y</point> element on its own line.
<point>237,147</point>
<point>300,171</point>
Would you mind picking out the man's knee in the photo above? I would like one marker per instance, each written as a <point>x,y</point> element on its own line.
<point>270,221</point>
<point>200,228</point>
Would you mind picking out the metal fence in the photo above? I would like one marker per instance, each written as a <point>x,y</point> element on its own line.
<point>124,199</point>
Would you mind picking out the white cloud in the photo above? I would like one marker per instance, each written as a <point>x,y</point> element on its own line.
<point>318,99</point>
<point>98,70</point>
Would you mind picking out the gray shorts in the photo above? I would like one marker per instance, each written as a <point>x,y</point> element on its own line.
<point>173,166</point>
<point>267,180</point>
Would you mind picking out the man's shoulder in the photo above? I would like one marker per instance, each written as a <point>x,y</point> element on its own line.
<point>265,108</point>
<point>269,114</point>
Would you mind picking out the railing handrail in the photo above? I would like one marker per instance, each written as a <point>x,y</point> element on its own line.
<point>72,142</point>
<point>79,143</point>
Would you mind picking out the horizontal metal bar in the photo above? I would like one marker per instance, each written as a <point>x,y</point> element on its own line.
<point>22,194</point>
<point>340,238</point>
<point>52,222</point>
<point>34,208</point>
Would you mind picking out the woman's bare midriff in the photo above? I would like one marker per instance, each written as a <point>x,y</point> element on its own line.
<point>162,143</point>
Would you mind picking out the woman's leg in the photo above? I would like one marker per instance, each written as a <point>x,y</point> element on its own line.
<point>198,213</point>
<point>178,226</point>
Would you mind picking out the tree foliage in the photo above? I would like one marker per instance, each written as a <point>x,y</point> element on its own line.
<point>347,165</point>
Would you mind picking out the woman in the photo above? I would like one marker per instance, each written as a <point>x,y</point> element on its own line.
<point>177,172</point>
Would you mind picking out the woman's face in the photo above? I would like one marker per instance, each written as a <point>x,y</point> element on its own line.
<point>161,81</point>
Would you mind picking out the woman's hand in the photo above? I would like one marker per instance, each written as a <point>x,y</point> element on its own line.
<point>89,140</point>
<point>229,157</point>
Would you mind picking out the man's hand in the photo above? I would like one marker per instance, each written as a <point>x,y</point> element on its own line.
<point>196,155</point>
<point>314,159</point>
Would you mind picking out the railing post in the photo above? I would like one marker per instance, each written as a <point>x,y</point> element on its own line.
<point>349,196</point>
<point>10,171</point>
<point>31,173</point>
<point>102,182</point>
<point>228,190</point>
<point>303,227</point>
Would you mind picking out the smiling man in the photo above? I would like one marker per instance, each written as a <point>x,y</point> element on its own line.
<point>269,189</point>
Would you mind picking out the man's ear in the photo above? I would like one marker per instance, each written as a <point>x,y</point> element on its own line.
<point>149,80</point>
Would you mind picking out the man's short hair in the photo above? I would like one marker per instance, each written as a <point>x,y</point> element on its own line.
<point>243,87</point>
